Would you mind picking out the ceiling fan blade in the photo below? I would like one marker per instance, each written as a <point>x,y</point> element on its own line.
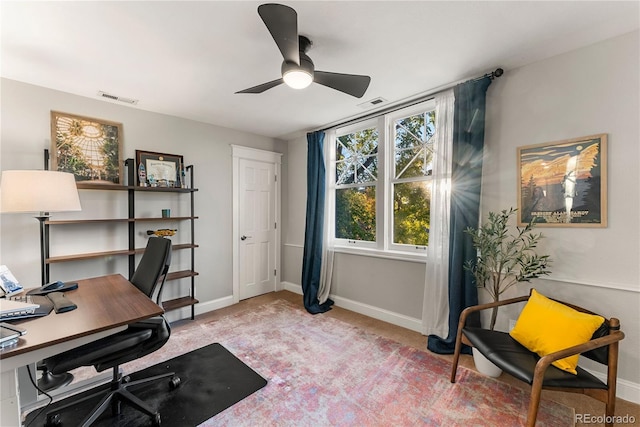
<point>261,88</point>
<point>282,23</point>
<point>352,84</point>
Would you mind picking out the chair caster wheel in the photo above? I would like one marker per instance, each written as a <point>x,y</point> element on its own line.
<point>155,419</point>
<point>53,421</point>
<point>174,383</point>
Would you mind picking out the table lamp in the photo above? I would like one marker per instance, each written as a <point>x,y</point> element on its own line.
<point>39,191</point>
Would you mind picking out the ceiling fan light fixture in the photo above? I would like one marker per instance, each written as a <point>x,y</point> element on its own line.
<point>297,70</point>
<point>297,79</point>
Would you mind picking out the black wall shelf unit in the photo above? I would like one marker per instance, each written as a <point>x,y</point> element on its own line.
<point>131,189</point>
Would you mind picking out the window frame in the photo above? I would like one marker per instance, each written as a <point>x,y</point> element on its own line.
<point>391,180</point>
<point>383,247</point>
<point>333,186</point>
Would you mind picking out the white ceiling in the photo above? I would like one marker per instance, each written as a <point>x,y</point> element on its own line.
<point>187,59</point>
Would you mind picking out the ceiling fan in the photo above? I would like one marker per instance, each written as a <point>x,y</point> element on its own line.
<point>298,70</point>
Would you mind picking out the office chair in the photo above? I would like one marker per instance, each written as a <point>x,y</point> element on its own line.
<point>139,339</point>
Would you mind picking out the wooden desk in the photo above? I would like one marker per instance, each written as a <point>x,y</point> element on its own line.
<point>105,306</point>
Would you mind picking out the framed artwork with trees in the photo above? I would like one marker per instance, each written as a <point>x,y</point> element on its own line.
<point>564,183</point>
<point>90,149</point>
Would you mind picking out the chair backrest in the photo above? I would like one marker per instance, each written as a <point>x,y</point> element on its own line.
<point>155,262</point>
<point>600,354</point>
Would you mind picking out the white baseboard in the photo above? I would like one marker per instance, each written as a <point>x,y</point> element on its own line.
<point>626,390</point>
<point>368,310</point>
<point>215,304</point>
<point>200,308</point>
<point>292,287</point>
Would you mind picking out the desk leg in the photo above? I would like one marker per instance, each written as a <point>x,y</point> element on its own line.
<point>9,399</point>
<point>28,394</point>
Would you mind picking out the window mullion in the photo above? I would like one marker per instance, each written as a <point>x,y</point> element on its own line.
<point>381,189</point>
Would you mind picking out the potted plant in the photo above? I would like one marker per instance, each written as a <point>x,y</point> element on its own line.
<point>504,259</point>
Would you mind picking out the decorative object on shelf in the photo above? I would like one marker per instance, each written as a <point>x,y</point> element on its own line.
<point>161,170</point>
<point>183,177</point>
<point>166,213</point>
<point>90,149</point>
<point>163,232</point>
<point>43,192</point>
<point>564,183</point>
<point>142,175</point>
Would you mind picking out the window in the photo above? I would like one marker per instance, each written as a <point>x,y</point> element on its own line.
<point>356,175</point>
<point>380,181</point>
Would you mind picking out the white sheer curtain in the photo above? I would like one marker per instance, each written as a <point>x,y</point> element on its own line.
<point>435,311</point>
<point>326,272</point>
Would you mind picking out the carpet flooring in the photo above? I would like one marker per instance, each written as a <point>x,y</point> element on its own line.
<point>212,379</point>
<point>324,372</point>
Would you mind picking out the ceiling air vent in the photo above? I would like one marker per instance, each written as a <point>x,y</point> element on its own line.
<point>372,103</point>
<point>117,98</point>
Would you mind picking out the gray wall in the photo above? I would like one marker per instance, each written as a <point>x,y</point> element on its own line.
<point>588,91</point>
<point>26,133</point>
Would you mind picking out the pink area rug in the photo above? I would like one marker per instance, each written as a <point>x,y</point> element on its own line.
<point>324,372</point>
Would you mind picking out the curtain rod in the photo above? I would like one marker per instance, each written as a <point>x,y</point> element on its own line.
<point>403,104</point>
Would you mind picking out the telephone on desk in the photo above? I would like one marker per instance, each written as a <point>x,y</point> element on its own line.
<point>53,287</point>
<point>48,297</point>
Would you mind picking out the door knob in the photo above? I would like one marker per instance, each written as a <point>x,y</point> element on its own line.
<point>244,237</point>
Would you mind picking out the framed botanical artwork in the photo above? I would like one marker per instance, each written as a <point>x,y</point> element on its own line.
<point>90,149</point>
<point>564,183</point>
<point>159,169</point>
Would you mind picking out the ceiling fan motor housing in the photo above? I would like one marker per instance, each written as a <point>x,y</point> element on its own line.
<point>306,65</point>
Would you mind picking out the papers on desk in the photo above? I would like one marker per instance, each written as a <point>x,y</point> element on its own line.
<point>10,308</point>
<point>8,283</point>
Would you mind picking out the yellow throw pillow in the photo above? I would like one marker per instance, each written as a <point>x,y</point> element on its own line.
<point>546,326</point>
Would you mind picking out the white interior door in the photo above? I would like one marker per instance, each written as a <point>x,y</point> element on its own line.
<point>257,228</point>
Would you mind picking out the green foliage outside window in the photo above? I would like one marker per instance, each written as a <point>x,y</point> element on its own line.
<point>356,214</point>
<point>411,209</point>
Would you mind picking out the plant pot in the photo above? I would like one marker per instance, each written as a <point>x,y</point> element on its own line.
<point>484,365</point>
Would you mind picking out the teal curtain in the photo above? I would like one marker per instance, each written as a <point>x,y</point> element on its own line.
<point>313,236</point>
<point>466,178</point>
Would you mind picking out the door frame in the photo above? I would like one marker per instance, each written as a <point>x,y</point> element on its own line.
<point>240,152</point>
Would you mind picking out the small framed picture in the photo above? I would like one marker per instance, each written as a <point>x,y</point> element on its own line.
<point>159,169</point>
<point>564,183</point>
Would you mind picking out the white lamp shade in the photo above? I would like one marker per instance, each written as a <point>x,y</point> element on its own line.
<point>38,191</point>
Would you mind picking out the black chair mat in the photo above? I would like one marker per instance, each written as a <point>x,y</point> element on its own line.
<point>211,380</point>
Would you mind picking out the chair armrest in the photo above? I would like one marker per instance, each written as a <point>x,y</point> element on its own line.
<point>613,337</point>
<point>467,311</point>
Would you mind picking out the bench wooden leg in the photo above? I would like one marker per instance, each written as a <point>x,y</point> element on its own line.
<point>456,355</point>
<point>534,401</point>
